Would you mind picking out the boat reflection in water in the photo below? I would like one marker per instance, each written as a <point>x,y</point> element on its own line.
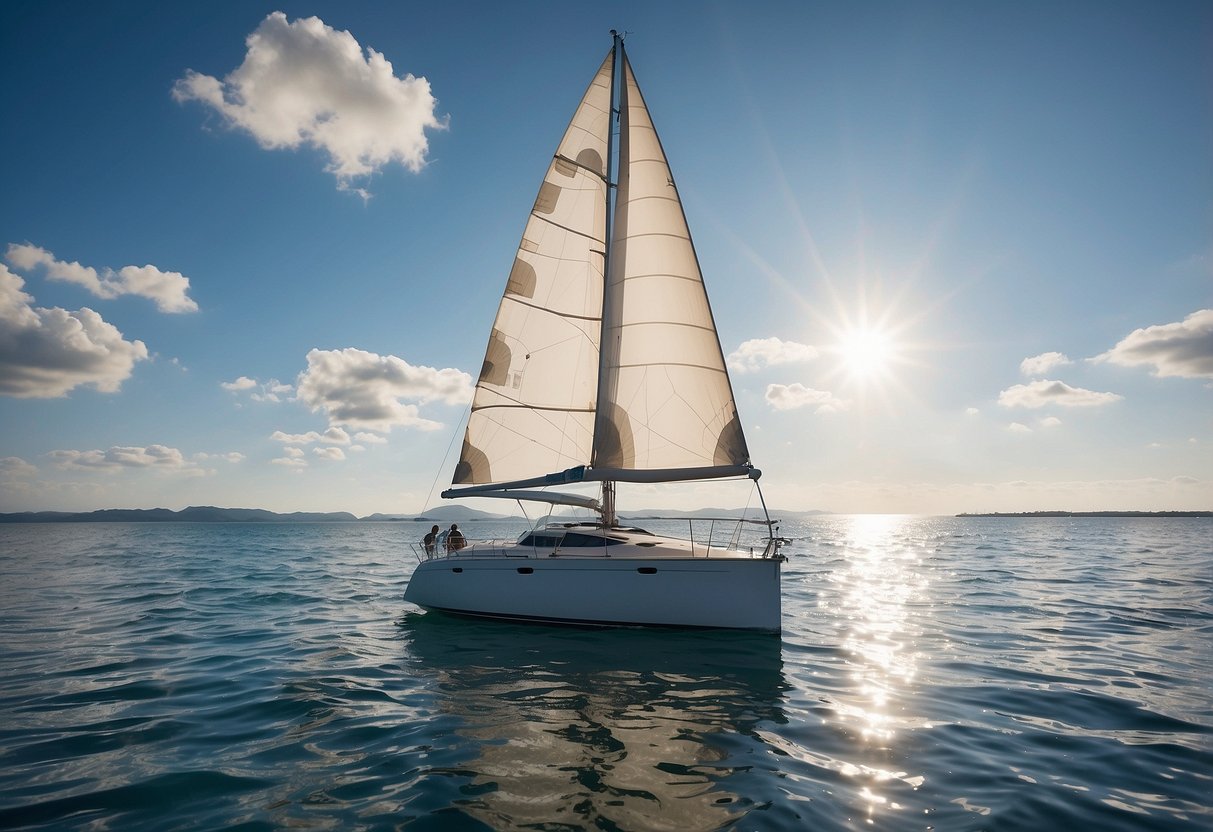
<point>583,728</point>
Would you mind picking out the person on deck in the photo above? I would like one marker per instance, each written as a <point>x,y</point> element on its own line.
<point>455,539</point>
<point>430,540</point>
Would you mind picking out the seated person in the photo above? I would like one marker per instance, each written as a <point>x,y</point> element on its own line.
<point>455,539</point>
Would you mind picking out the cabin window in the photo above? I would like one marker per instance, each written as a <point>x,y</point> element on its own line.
<point>541,540</point>
<point>576,540</point>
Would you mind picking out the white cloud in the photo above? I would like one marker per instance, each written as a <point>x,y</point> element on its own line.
<point>169,290</point>
<point>1038,365</point>
<point>242,383</point>
<point>1040,393</point>
<point>972,411</point>
<point>232,456</point>
<point>757,353</point>
<point>329,453</point>
<point>1050,422</point>
<point>44,353</point>
<point>293,453</point>
<point>12,467</point>
<point>370,438</point>
<point>1183,349</point>
<point>793,396</point>
<point>364,390</point>
<point>304,82</point>
<point>332,436</point>
<point>1016,427</point>
<point>291,462</point>
<point>269,391</point>
<point>153,456</point>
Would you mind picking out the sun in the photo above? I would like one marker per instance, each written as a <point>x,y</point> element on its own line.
<point>865,352</point>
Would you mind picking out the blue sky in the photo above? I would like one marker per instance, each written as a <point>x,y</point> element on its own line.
<point>959,254</point>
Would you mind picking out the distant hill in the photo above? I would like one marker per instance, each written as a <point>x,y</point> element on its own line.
<point>438,514</point>
<point>704,513</point>
<point>1092,514</point>
<point>454,513</point>
<point>193,514</point>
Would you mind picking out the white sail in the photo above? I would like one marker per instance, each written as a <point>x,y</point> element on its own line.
<point>652,402</point>
<point>665,401</point>
<point>533,409</point>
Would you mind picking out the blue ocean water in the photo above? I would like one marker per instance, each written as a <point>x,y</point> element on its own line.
<point>933,673</point>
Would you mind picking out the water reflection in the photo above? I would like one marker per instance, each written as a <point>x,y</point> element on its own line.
<point>602,728</point>
<point>877,592</point>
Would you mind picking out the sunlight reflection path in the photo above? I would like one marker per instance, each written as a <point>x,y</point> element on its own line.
<point>876,592</point>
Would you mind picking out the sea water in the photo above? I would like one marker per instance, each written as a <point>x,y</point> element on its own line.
<point>932,673</point>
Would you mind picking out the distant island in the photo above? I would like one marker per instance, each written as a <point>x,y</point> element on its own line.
<point>1091,514</point>
<point>212,514</point>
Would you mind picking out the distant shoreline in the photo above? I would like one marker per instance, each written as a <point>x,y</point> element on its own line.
<point>213,514</point>
<point>1089,514</point>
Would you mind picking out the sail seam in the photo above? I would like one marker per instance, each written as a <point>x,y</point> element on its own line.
<point>539,308</point>
<point>534,407</point>
<point>648,364</point>
<point>566,228</point>
<point>577,164</point>
<point>701,327</point>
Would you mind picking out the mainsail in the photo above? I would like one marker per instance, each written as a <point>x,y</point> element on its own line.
<point>533,410</point>
<point>617,370</point>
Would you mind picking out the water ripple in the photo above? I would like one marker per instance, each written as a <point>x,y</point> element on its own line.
<point>933,672</point>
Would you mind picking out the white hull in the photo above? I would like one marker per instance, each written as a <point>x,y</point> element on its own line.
<point>721,591</point>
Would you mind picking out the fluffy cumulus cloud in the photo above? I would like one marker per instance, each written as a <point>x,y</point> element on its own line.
<point>44,353</point>
<point>1183,349</point>
<point>794,396</point>
<point>757,353</point>
<point>1038,365</point>
<point>168,290</point>
<point>375,392</point>
<point>304,83</point>
<point>1040,393</point>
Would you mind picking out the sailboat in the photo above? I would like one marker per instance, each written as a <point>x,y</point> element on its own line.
<point>603,366</point>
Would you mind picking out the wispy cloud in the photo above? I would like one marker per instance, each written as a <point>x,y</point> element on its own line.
<point>757,353</point>
<point>168,290</point>
<point>118,457</point>
<point>795,396</point>
<point>1183,349</point>
<point>267,391</point>
<point>363,390</point>
<point>12,467</point>
<point>332,436</point>
<point>1044,392</point>
<point>1038,365</point>
<point>303,82</point>
<point>45,353</point>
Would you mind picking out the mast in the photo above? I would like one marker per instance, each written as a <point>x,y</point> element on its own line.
<point>608,486</point>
